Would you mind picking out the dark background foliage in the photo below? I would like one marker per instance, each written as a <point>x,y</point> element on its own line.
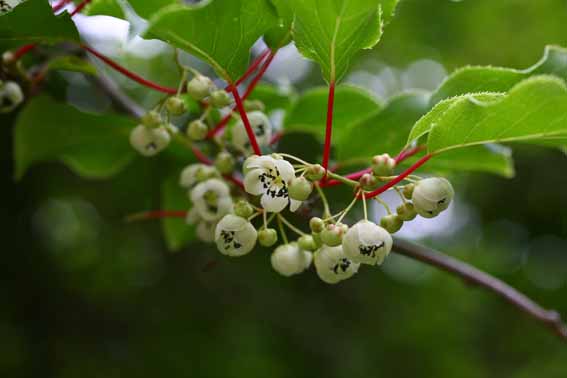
<point>85,294</point>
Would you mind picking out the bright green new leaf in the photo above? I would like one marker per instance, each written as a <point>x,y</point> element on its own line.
<point>332,32</point>
<point>533,111</point>
<point>93,146</point>
<point>220,32</point>
<point>280,34</point>
<point>496,79</point>
<point>176,231</point>
<point>114,8</point>
<point>33,22</point>
<point>308,114</point>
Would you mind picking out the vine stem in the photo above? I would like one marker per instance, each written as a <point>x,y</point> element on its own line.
<point>399,178</point>
<point>247,126</point>
<point>329,126</point>
<point>470,274</point>
<point>20,52</point>
<point>57,7</point>
<point>405,154</point>
<point>252,67</point>
<point>79,7</point>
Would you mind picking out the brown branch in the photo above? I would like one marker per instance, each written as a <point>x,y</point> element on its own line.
<point>550,318</point>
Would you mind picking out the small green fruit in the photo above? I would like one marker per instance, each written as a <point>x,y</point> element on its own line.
<point>408,191</point>
<point>267,237</point>
<point>392,223</point>
<point>243,209</point>
<point>300,188</point>
<point>333,234</point>
<point>200,87</point>
<point>151,119</point>
<point>316,224</point>
<point>175,106</point>
<point>406,212</point>
<point>220,99</point>
<point>197,130</point>
<point>307,243</point>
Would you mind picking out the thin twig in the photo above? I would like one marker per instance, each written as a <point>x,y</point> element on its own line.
<point>550,318</point>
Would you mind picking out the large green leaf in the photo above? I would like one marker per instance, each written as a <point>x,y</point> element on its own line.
<point>33,21</point>
<point>93,146</point>
<point>385,130</point>
<point>534,111</point>
<point>272,97</point>
<point>331,32</point>
<point>308,114</point>
<point>221,32</point>
<point>115,8</point>
<point>280,34</point>
<point>496,79</point>
<point>176,231</point>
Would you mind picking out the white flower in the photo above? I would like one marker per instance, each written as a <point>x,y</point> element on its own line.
<point>235,236</point>
<point>262,128</point>
<point>367,243</point>
<point>11,96</point>
<point>332,265</point>
<point>431,196</point>
<point>289,259</point>
<point>149,142</point>
<point>205,230</point>
<point>270,177</point>
<point>195,173</point>
<point>211,199</point>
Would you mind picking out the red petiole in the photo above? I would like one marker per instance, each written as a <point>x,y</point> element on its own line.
<point>247,126</point>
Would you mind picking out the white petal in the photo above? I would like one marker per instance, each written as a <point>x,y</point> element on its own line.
<point>294,204</point>
<point>274,205</point>
<point>252,183</point>
<point>286,170</point>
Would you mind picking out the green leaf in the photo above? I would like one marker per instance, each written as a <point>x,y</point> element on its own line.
<point>34,21</point>
<point>93,146</point>
<point>534,111</point>
<point>104,7</point>
<point>308,114</point>
<point>280,34</point>
<point>116,8</point>
<point>332,32</point>
<point>385,130</point>
<point>176,231</point>
<point>496,79</point>
<point>73,64</point>
<point>273,97</point>
<point>221,32</point>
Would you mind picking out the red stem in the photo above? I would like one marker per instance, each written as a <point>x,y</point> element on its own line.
<point>398,179</point>
<point>276,137</point>
<point>20,52</point>
<point>201,156</point>
<point>351,176</point>
<point>247,126</point>
<point>57,7</point>
<point>329,127</point>
<point>79,7</point>
<point>129,74</point>
<point>405,154</point>
<point>252,68</point>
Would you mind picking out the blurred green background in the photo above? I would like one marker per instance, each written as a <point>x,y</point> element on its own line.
<point>86,295</point>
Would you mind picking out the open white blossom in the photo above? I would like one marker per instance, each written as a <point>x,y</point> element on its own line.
<point>194,173</point>
<point>270,177</point>
<point>367,243</point>
<point>289,259</point>
<point>235,236</point>
<point>149,142</point>
<point>211,199</point>
<point>332,265</point>
<point>262,128</point>
<point>205,230</point>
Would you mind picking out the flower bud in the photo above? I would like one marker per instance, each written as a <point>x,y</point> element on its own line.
<point>383,165</point>
<point>300,188</point>
<point>333,234</point>
<point>220,98</point>
<point>195,173</point>
<point>267,237</point>
<point>175,105</point>
<point>315,172</point>
<point>8,58</point>
<point>367,243</point>
<point>392,223</point>
<point>11,96</point>
<point>307,243</point>
<point>151,119</point>
<point>200,87</point>
<point>290,259</point>
<point>149,142</point>
<point>254,105</point>
<point>408,191</point>
<point>235,236</point>
<point>224,162</point>
<point>316,224</point>
<point>406,211</point>
<point>431,196</point>
<point>368,182</point>
<point>332,265</point>
<point>197,130</point>
<point>243,209</point>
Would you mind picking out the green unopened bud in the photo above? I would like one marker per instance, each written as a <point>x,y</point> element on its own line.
<point>175,105</point>
<point>254,105</point>
<point>368,182</point>
<point>315,172</point>
<point>200,87</point>
<point>408,191</point>
<point>220,99</point>
<point>317,239</point>
<point>197,130</point>
<point>267,237</point>
<point>224,162</point>
<point>406,212</point>
<point>300,188</point>
<point>333,234</point>
<point>151,119</point>
<point>243,209</point>
<point>307,243</point>
<point>383,165</point>
<point>392,223</point>
<point>316,224</point>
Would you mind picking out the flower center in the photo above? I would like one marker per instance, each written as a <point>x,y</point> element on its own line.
<point>342,265</point>
<point>229,240</point>
<point>370,250</point>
